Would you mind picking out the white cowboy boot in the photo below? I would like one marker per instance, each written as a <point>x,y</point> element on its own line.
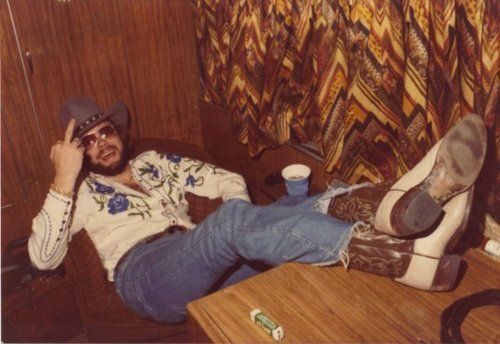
<point>415,202</point>
<point>382,254</point>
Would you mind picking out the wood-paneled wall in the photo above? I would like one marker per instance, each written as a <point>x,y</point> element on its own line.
<point>160,41</point>
<point>142,52</point>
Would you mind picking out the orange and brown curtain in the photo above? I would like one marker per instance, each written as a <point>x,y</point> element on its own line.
<point>374,84</point>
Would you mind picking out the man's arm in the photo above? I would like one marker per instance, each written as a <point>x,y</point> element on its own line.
<point>207,180</point>
<point>48,242</point>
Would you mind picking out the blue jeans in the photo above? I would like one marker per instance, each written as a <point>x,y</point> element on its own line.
<point>160,278</point>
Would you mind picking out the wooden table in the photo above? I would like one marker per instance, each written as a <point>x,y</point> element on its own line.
<point>325,305</point>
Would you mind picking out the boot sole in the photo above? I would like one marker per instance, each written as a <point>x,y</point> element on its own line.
<point>459,159</point>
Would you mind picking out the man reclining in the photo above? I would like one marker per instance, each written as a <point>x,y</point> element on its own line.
<point>132,210</point>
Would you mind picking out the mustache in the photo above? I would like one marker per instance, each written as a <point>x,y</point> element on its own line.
<point>105,149</point>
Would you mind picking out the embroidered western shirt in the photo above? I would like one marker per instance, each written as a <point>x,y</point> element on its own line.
<point>117,217</point>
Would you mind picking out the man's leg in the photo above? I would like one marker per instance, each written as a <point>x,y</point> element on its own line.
<point>245,269</point>
<point>241,271</point>
<point>160,278</point>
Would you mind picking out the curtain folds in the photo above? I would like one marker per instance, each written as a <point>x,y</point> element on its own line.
<point>374,84</point>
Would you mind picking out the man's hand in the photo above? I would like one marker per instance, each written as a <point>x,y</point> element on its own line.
<point>67,158</point>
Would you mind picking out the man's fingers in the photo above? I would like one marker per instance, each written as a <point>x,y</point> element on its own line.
<point>68,135</point>
<point>52,153</point>
<point>53,149</point>
<point>77,142</point>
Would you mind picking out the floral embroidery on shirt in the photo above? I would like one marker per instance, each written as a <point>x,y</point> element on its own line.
<point>190,180</point>
<point>103,189</point>
<point>194,168</point>
<point>151,170</point>
<point>198,165</point>
<point>166,177</point>
<point>118,203</point>
<point>173,158</point>
<point>121,202</point>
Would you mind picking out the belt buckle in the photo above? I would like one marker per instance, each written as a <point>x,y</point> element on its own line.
<point>175,228</point>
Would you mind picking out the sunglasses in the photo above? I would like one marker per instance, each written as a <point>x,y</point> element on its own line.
<point>91,139</point>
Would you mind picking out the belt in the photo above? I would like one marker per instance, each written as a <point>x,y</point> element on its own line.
<point>149,239</point>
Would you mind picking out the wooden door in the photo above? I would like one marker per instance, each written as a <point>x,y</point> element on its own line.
<point>76,48</point>
<point>26,170</point>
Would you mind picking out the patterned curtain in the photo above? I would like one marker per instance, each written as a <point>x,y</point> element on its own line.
<point>373,83</point>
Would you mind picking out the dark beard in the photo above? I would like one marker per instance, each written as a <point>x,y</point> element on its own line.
<point>111,170</point>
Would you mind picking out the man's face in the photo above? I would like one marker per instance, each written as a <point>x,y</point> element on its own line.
<point>105,151</point>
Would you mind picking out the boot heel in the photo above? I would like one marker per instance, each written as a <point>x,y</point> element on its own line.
<point>446,273</point>
<point>418,211</point>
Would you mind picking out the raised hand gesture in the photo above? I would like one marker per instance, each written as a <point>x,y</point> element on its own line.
<point>67,158</point>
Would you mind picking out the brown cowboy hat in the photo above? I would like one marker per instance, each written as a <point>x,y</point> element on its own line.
<point>88,114</point>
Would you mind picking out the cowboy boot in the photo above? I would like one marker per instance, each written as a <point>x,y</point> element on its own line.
<point>424,263</point>
<point>358,204</point>
<point>416,200</point>
<point>382,254</point>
